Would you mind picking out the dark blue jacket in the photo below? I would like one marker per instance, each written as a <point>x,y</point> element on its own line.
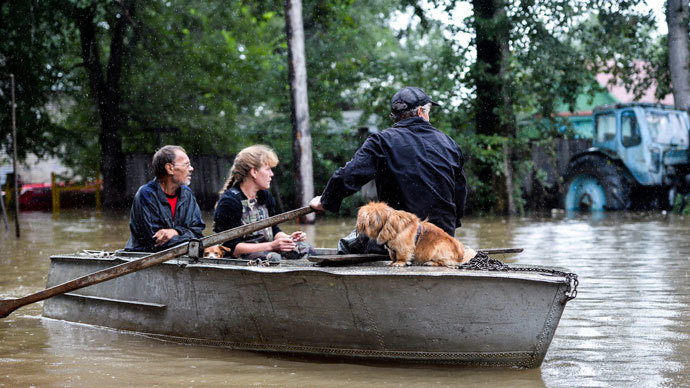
<point>417,168</point>
<point>151,212</point>
<point>228,213</point>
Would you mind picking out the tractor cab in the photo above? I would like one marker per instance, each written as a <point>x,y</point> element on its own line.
<point>640,151</point>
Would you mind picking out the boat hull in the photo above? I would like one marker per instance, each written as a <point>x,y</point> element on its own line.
<point>416,314</point>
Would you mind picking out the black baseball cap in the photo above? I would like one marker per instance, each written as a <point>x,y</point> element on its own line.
<point>410,97</point>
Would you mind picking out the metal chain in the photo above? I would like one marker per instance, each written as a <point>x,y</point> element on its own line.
<point>482,262</point>
<point>258,262</point>
<point>97,253</point>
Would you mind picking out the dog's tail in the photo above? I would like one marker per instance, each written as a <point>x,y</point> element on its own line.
<point>469,254</point>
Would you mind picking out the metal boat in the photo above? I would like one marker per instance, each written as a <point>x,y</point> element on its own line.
<point>368,311</point>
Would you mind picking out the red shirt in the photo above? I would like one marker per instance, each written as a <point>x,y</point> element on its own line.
<point>173,202</point>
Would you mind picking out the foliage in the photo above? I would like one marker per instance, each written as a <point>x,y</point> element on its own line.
<point>681,204</point>
<point>556,49</point>
<point>200,68</point>
<point>212,75</point>
<point>618,41</point>
<point>32,44</point>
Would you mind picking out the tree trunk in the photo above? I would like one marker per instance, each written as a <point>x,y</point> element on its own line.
<point>106,94</point>
<point>301,143</point>
<point>493,108</point>
<point>508,171</point>
<point>508,121</point>
<point>487,67</point>
<point>678,57</point>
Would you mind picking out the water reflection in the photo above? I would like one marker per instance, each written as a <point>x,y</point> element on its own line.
<point>625,320</point>
<point>627,327</point>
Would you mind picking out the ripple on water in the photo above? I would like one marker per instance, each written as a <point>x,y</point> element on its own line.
<point>629,325</point>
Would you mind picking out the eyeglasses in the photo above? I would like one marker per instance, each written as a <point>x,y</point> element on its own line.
<point>184,165</point>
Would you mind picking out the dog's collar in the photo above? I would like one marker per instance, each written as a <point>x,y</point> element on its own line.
<point>419,232</point>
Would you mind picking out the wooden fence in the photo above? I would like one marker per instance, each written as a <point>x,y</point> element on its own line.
<point>56,189</point>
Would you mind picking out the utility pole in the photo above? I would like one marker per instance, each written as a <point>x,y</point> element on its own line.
<point>4,213</point>
<point>301,135</point>
<point>14,160</point>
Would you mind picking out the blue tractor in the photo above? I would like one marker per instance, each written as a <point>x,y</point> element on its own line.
<point>638,159</point>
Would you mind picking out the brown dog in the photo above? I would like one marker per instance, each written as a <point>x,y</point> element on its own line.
<point>410,240</point>
<point>216,252</point>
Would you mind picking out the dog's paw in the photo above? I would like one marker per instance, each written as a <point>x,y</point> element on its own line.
<point>398,264</point>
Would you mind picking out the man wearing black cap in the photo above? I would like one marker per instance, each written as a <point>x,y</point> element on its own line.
<point>417,168</point>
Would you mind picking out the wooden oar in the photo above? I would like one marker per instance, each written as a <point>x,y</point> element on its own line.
<point>9,305</point>
<point>335,259</point>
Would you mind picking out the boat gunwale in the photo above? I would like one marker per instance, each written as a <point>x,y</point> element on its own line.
<point>528,273</point>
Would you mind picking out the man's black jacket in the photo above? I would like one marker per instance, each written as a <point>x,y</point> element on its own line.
<point>417,168</point>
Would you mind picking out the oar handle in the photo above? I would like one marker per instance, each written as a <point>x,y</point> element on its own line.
<point>498,251</point>
<point>230,234</point>
<point>9,305</point>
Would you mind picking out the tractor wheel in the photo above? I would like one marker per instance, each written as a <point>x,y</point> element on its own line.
<point>595,183</point>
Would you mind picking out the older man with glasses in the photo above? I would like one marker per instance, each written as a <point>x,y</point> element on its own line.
<point>164,212</point>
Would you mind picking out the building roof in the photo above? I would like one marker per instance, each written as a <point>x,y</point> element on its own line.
<point>616,92</point>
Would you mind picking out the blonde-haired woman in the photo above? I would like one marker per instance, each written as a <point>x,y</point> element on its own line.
<point>245,199</point>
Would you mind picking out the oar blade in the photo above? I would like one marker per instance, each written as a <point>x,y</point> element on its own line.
<point>7,306</point>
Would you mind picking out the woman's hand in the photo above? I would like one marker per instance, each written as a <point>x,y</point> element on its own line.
<point>298,236</point>
<point>282,244</point>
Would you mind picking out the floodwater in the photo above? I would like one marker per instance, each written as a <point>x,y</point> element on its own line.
<point>628,326</point>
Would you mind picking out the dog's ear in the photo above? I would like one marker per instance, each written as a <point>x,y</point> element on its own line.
<point>379,218</point>
<point>225,250</point>
<point>390,228</point>
<point>361,216</point>
<point>372,221</point>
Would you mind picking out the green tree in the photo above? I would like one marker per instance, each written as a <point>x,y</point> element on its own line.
<point>212,76</point>
<point>530,56</point>
<point>31,46</point>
